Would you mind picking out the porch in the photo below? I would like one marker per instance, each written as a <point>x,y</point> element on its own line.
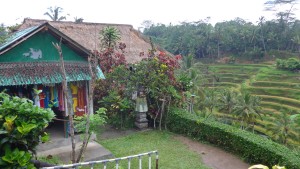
<point>61,147</point>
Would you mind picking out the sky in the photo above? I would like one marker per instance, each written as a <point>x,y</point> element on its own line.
<point>134,12</point>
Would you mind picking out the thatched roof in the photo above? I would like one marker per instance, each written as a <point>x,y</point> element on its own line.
<point>88,34</point>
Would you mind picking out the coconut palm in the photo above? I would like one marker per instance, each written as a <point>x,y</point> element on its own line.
<point>284,128</point>
<point>54,13</point>
<point>247,109</point>
<point>227,100</point>
<point>78,20</point>
<point>210,100</point>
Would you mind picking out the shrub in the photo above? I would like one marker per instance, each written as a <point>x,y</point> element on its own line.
<point>120,110</point>
<point>21,129</point>
<point>251,147</point>
<point>292,64</point>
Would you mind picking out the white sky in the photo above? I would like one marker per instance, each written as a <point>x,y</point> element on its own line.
<point>134,12</point>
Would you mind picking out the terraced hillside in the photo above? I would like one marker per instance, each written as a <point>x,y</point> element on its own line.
<point>279,90</point>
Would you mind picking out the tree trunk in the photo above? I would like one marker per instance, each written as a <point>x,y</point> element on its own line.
<point>167,115</point>
<point>92,65</point>
<point>218,49</point>
<point>66,93</point>
<point>264,45</point>
<point>162,111</point>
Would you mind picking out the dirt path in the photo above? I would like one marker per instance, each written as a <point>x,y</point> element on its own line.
<point>214,157</point>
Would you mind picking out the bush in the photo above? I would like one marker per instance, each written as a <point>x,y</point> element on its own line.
<point>120,110</point>
<point>292,64</point>
<point>251,147</point>
<point>21,129</point>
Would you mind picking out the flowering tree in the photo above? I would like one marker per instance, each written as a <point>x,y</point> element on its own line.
<point>155,74</point>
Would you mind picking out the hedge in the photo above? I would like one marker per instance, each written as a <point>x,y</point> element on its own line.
<point>253,148</point>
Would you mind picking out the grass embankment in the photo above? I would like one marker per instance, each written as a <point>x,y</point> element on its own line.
<point>276,84</point>
<point>281,100</point>
<point>172,153</point>
<point>275,91</point>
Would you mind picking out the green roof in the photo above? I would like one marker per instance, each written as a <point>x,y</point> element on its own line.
<point>28,57</point>
<point>16,36</point>
<point>22,74</point>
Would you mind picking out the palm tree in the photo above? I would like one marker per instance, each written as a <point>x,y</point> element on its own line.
<point>78,20</point>
<point>54,13</point>
<point>210,100</point>
<point>109,37</point>
<point>227,101</point>
<point>284,128</point>
<point>247,109</point>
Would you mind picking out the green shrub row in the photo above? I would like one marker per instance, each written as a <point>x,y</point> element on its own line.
<point>276,84</point>
<point>253,148</point>
<point>227,79</point>
<point>292,64</point>
<point>281,100</point>
<point>223,84</point>
<point>277,78</point>
<point>282,92</point>
<point>274,71</point>
<point>279,107</point>
<point>236,75</point>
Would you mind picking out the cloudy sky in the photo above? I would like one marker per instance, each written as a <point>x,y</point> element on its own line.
<point>134,12</point>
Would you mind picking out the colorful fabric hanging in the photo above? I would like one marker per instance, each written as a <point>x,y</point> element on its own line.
<point>36,97</point>
<point>47,96</point>
<point>52,93</point>
<point>61,99</point>
<point>81,109</point>
<point>41,96</point>
<point>74,90</point>
<point>55,96</point>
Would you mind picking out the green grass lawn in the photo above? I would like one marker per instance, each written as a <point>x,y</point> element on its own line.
<point>172,153</point>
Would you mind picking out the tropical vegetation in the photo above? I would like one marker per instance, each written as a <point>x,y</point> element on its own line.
<point>22,127</point>
<point>54,13</point>
<point>217,103</point>
<point>237,38</point>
